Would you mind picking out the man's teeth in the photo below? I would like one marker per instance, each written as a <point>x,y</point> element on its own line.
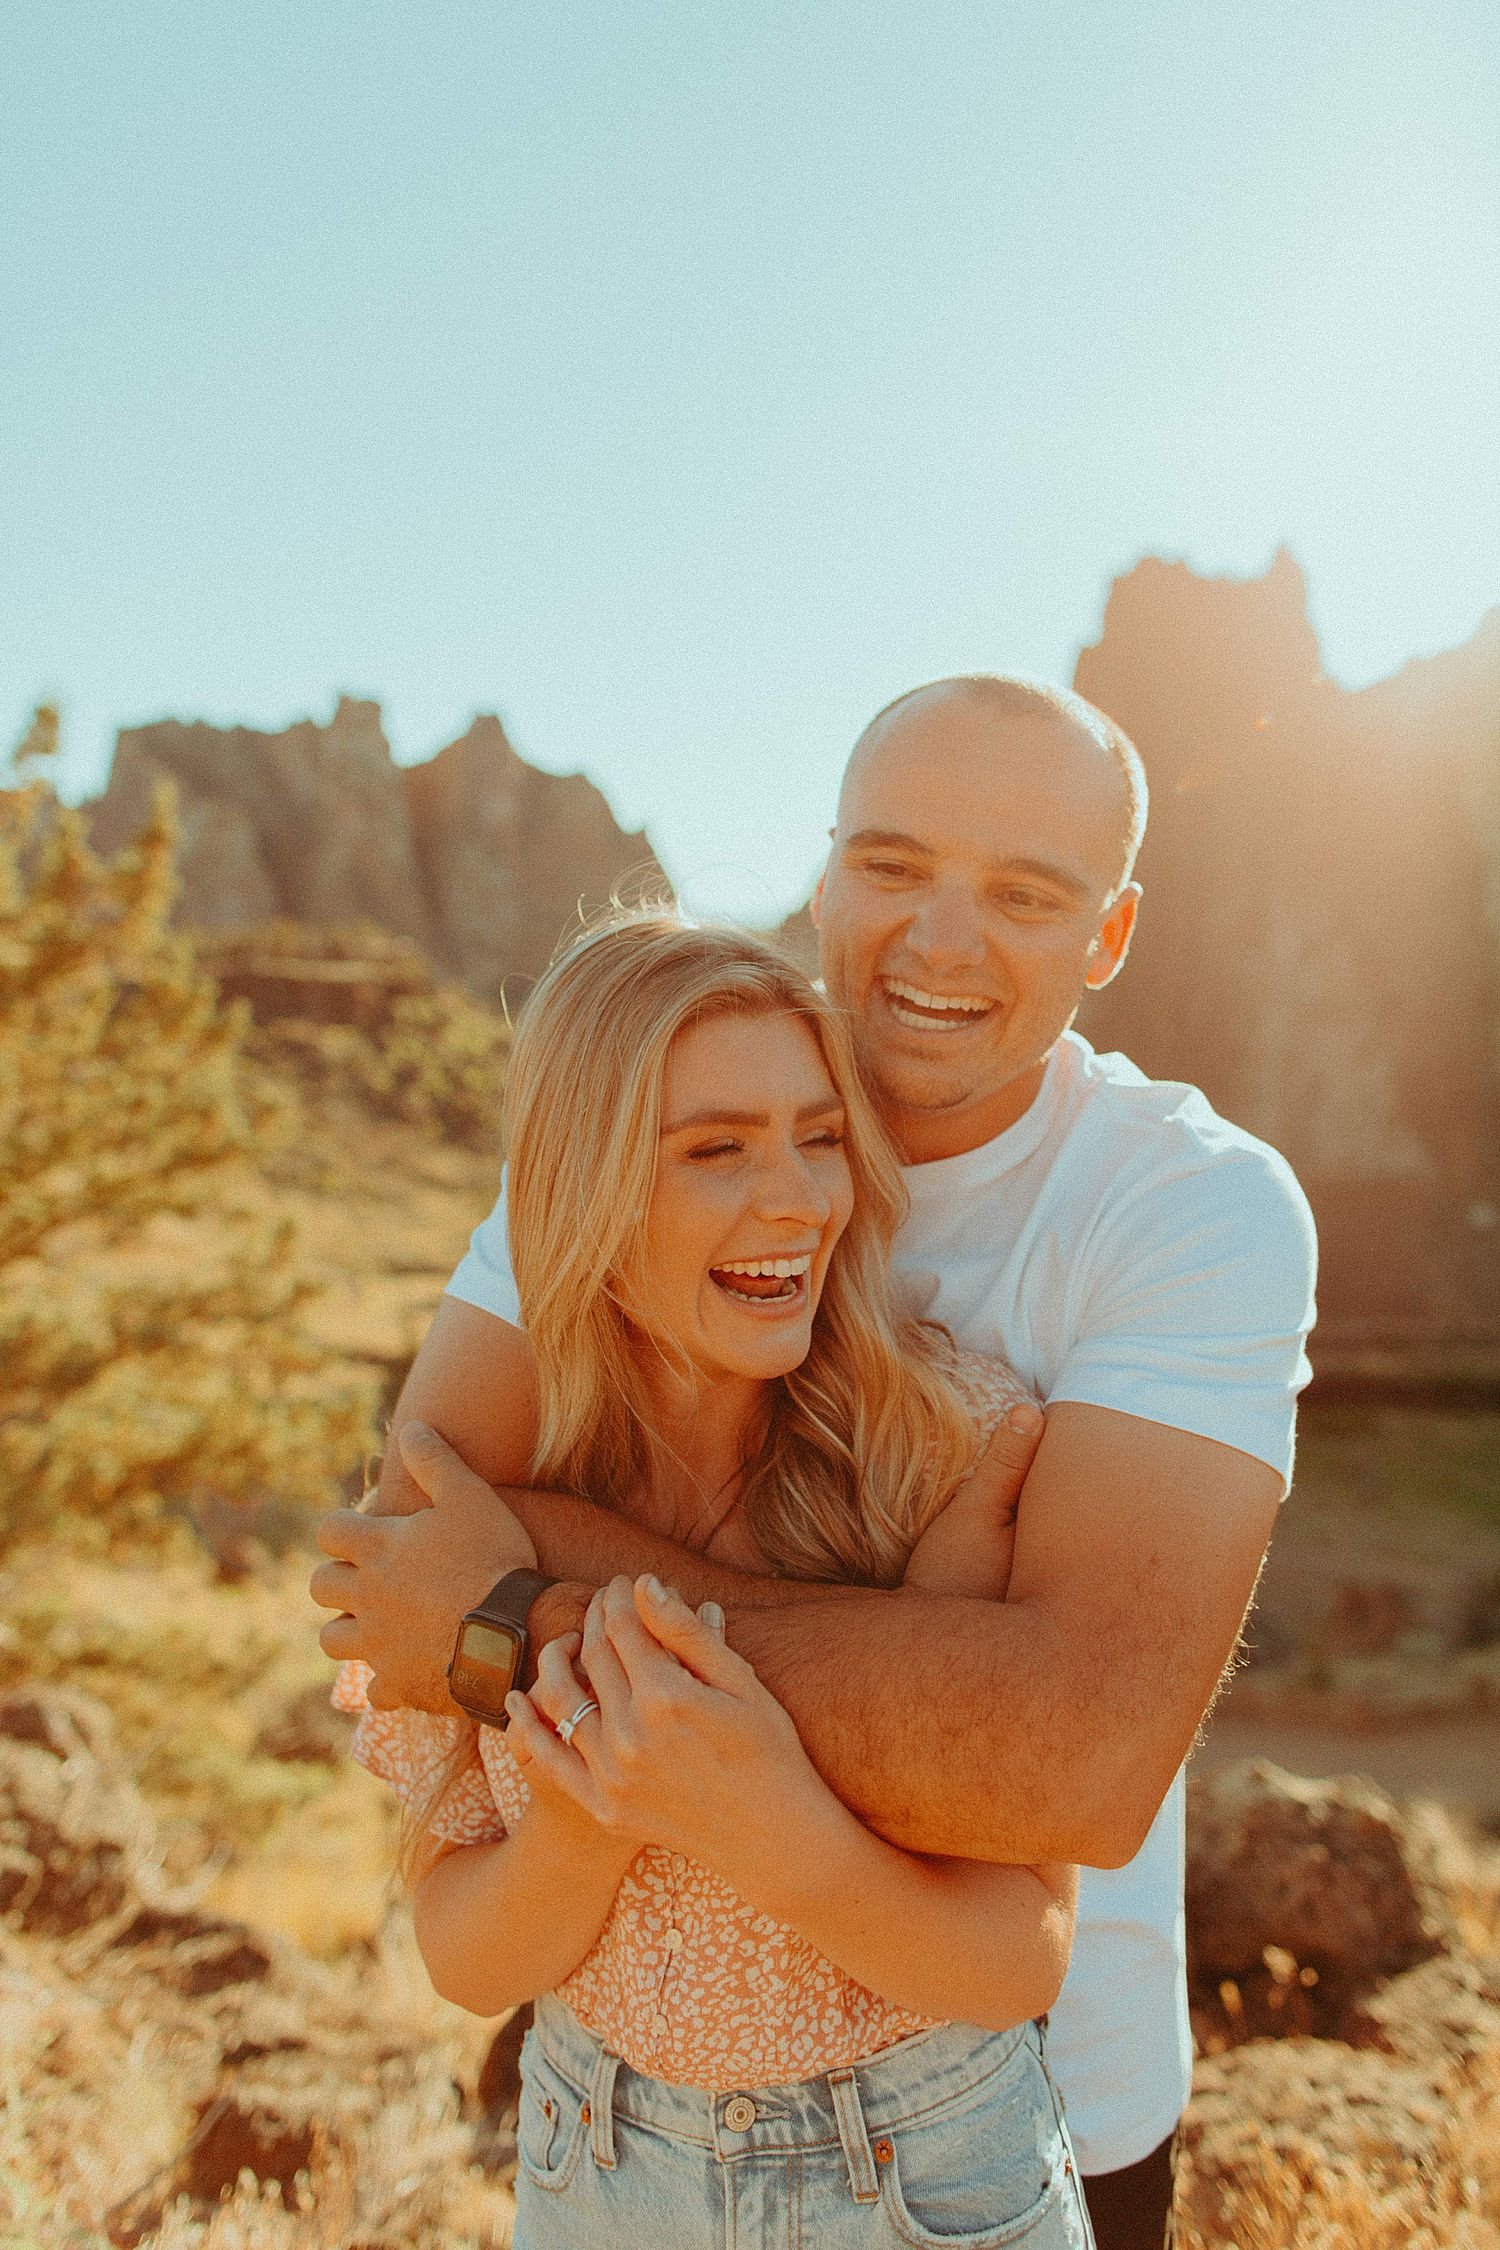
<point>766,1269</point>
<point>943,1002</point>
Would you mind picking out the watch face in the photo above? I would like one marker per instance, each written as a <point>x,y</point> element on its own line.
<point>484,1664</point>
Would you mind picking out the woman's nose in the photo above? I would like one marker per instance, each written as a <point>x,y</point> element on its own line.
<point>791,1189</point>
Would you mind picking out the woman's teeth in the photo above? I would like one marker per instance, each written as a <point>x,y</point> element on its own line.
<point>762,1280</point>
<point>933,1011</point>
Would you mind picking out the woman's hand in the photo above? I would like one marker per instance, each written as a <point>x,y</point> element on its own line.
<point>687,1750</point>
<point>555,1697</point>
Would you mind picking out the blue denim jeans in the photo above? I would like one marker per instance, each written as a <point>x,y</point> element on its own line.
<point>951,2140</point>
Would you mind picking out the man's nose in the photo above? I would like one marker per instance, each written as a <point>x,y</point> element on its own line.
<point>947,931</point>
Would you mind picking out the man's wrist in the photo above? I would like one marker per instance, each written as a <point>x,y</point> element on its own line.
<point>557,1610</point>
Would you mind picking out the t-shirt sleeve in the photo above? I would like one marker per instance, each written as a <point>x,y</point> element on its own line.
<point>1195,1304</point>
<point>483,1275</point>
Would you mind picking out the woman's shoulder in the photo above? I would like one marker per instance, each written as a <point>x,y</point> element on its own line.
<point>988,1386</point>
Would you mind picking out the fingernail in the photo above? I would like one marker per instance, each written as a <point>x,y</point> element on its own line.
<point>713,1618</point>
<point>1024,1418</point>
<point>656,1589</point>
<point>416,1429</point>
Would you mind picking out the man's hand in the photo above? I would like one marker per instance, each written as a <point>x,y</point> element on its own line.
<point>403,1581</point>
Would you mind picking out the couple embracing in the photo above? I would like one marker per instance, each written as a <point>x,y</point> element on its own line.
<point>810,1749</point>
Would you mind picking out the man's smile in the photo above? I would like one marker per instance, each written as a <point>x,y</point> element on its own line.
<point>921,1010</point>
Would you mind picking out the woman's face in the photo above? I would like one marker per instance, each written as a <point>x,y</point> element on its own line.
<point>753,1190</point>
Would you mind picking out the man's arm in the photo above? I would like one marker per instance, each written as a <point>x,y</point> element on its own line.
<point>1047,1727</point>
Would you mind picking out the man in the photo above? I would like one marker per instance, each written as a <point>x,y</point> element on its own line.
<point>1145,1266</point>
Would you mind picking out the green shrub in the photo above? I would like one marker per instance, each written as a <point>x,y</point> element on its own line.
<point>152,1345</point>
<point>356,1012</point>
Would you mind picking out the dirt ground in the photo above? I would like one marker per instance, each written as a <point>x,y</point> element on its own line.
<point>1382,1589</point>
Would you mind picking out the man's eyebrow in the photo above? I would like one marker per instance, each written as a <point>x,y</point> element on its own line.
<point>809,1110</point>
<point>886,839</point>
<point>1049,871</point>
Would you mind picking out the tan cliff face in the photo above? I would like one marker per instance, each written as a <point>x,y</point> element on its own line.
<point>508,855</point>
<point>480,858</point>
<point>1319,947</point>
<point>1319,944</point>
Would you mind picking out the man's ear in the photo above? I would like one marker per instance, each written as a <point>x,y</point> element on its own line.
<point>1110,946</point>
<point>815,903</point>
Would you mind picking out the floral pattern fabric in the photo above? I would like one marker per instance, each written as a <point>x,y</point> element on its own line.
<point>686,1981</point>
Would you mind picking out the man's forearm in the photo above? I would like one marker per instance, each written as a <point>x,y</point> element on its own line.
<point>946,1723</point>
<point>949,1725</point>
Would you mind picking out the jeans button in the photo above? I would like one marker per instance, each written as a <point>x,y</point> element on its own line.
<point>739,2113</point>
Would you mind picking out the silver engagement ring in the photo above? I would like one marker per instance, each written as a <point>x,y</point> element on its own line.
<point>567,1727</point>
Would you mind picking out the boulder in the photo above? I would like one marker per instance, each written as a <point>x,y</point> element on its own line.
<point>1330,1876</point>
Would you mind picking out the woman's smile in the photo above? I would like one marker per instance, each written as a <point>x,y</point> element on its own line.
<point>771,1283</point>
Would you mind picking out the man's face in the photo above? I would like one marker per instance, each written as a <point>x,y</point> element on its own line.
<point>969,900</point>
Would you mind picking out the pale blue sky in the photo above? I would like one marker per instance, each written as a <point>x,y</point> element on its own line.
<point>684,379</point>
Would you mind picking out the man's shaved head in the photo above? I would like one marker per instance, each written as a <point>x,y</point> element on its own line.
<point>982,696</point>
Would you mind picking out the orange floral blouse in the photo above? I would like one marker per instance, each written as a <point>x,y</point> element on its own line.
<point>686,1980</point>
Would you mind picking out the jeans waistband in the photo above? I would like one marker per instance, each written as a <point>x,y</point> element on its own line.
<point>897,2085</point>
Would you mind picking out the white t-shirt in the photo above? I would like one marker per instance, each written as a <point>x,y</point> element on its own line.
<point>1121,1246</point>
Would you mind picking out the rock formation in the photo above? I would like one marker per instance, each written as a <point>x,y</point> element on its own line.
<point>509,854</point>
<point>1319,947</point>
<point>477,857</point>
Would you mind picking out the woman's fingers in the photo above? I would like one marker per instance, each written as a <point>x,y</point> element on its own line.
<point>533,1741</point>
<point>558,1688</point>
<point>607,1677</point>
<point>648,1665</point>
<point>696,1640</point>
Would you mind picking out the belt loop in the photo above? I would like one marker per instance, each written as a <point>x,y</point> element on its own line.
<point>864,2181</point>
<point>602,2109</point>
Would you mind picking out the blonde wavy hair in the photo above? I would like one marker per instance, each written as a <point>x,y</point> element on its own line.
<point>863,1442</point>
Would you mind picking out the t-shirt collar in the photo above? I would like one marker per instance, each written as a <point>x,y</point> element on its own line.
<point>946,1175</point>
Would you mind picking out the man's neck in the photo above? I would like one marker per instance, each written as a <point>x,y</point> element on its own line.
<point>926,1136</point>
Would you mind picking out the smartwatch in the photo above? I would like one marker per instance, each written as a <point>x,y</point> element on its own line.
<point>489,1656</point>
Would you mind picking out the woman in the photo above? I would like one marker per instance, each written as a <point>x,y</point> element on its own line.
<point>758,2021</point>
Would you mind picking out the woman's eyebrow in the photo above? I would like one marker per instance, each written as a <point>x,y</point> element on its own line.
<point>828,1107</point>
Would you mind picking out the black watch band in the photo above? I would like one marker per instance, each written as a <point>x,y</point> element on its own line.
<point>509,1601</point>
